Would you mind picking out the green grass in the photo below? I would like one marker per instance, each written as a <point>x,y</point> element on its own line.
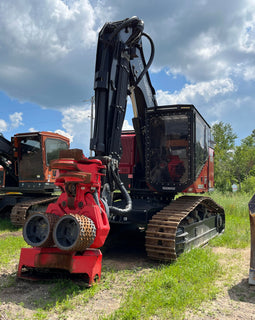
<point>166,292</point>
<point>7,226</point>
<point>162,292</point>
<point>237,230</point>
<point>10,250</point>
<point>64,295</point>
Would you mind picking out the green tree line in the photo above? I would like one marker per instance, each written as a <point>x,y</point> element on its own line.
<point>233,164</point>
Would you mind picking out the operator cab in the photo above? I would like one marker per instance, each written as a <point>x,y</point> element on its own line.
<point>176,147</point>
<point>34,152</point>
<point>177,151</point>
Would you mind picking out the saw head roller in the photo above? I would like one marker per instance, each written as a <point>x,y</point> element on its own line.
<point>74,233</point>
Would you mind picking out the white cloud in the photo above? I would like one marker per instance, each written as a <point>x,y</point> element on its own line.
<point>15,122</point>
<point>16,119</point>
<point>217,101</point>
<point>48,48</point>
<point>45,49</point>
<point>48,52</point>
<point>77,127</point>
<point>192,93</point>
<point>127,126</point>
<point>65,134</point>
<point>203,40</point>
<point>51,45</point>
<point>3,125</point>
<point>207,47</point>
<point>247,37</point>
<point>49,28</point>
<point>76,122</point>
<point>249,73</point>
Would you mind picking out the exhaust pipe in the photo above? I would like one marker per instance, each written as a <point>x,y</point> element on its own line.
<point>252,225</point>
<point>37,231</point>
<point>74,232</point>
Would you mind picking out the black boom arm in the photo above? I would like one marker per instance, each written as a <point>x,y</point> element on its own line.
<point>120,71</point>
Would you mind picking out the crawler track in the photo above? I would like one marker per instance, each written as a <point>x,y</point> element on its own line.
<point>21,211</point>
<point>187,222</point>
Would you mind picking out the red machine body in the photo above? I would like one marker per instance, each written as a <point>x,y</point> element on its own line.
<point>87,264</point>
<point>80,182</point>
<point>205,180</point>
<point>79,216</point>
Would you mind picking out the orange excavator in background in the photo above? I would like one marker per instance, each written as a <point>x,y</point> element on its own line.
<point>26,180</point>
<point>169,151</point>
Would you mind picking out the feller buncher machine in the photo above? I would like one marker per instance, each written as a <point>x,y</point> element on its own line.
<point>26,179</point>
<point>168,152</point>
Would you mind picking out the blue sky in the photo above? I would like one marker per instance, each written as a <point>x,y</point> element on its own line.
<point>205,55</point>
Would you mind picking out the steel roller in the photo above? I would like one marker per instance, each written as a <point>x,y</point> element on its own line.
<point>37,231</point>
<point>74,232</point>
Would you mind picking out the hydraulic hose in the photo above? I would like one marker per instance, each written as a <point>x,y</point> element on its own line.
<point>134,38</point>
<point>147,66</point>
<point>125,194</point>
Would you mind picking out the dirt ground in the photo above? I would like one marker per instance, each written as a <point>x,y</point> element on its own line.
<point>236,299</point>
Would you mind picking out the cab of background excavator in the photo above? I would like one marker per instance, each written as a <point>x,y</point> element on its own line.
<point>30,159</point>
<point>36,151</point>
